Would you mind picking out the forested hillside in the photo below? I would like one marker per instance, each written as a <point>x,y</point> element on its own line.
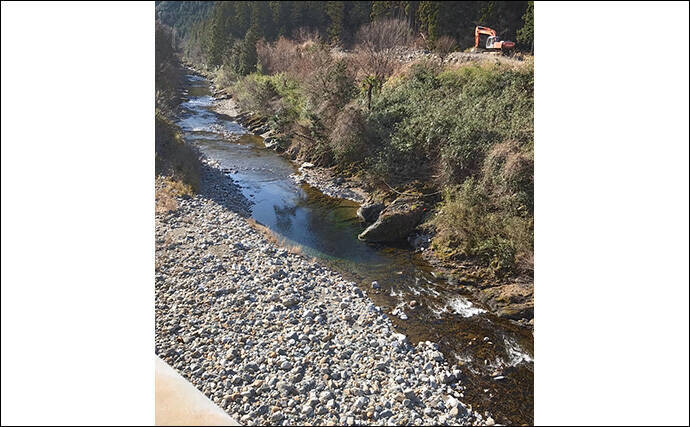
<point>208,32</point>
<point>182,15</point>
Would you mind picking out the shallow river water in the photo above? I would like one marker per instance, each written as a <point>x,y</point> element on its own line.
<point>495,355</point>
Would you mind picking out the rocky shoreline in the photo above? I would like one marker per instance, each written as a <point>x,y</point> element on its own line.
<point>275,338</point>
<point>323,179</point>
<point>328,183</point>
<point>512,300</point>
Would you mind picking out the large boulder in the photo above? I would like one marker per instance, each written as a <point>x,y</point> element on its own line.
<point>369,211</point>
<point>396,221</point>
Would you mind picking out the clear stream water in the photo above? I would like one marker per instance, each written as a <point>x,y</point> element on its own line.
<point>495,355</point>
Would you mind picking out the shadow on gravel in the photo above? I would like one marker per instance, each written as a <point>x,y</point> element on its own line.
<point>217,186</point>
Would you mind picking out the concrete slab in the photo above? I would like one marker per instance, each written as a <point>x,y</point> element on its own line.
<point>179,403</point>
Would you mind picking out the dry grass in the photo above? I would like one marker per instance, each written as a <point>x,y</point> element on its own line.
<point>403,70</point>
<point>167,192</point>
<point>507,169</point>
<point>444,46</point>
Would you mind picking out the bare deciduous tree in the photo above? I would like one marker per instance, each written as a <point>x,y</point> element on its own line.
<point>375,50</point>
<point>443,46</point>
<point>278,56</point>
<point>305,35</point>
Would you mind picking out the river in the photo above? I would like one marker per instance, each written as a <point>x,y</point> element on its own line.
<point>494,355</point>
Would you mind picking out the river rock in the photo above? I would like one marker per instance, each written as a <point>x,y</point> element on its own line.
<point>396,221</point>
<point>512,301</point>
<point>306,165</point>
<point>517,311</point>
<point>369,212</point>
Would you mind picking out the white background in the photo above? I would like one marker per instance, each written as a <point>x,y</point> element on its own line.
<point>611,95</point>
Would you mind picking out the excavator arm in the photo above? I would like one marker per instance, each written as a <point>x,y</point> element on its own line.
<point>482,30</point>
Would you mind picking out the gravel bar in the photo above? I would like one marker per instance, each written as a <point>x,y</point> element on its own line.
<point>275,338</point>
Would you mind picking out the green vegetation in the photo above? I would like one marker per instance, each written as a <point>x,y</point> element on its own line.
<point>448,119</point>
<point>490,216</point>
<point>461,134</point>
<point>470,131</point>
<point>168,76</point>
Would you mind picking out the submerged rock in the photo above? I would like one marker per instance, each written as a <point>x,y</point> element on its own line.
<point>274,143</point>
<point>420,241</point>
<point>396,221</point>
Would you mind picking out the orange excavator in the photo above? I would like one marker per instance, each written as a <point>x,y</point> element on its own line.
<point>492,43</point>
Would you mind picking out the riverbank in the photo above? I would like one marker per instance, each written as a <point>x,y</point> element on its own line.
<point>510,298</point>
<point>326,180</point>
<point>275,338</point>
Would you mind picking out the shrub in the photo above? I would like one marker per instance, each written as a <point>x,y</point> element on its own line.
<point>329,88</point>
<point>448,120</point>
<point>174,158</point>
<point>508,174</point>
<point>225,76</point>
<point>304,98</point>
<point>349,139</point>
<point>277,57</point>
<point>468,224</point>
<point>471,129</point>
<point>256,93</point>
<point>307,36</point>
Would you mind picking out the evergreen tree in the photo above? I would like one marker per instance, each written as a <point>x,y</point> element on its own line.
<point>427,16</point>
<point>281,17</point>
<point>525,35</point>
<point>298,14</point>
<point>336,15</point>
<point>241,19</point>
<point>262,20</point>
<point>389,9</point>
<point>316,16</point>
<point>219,33</point>
<point>247,63</point>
